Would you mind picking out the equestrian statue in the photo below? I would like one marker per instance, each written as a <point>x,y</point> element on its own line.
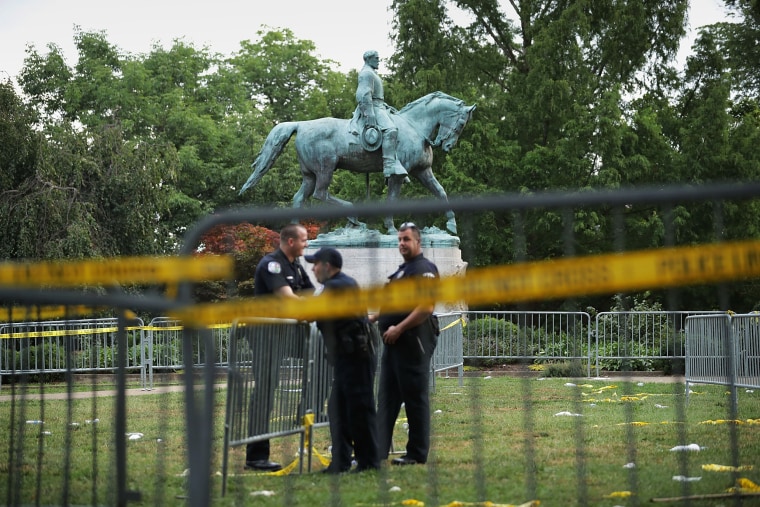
<point>377,138</point>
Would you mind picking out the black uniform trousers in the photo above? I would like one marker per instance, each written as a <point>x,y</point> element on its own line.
<point>352,413</point>
<point>405,378</point>
<point>269,354</point>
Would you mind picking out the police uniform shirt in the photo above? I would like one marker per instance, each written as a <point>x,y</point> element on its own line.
<point>275,271</point>
<point>418,266</point>
<point>331,328</point>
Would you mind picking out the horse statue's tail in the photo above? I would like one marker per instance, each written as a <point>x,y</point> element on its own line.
<point>273,146</point>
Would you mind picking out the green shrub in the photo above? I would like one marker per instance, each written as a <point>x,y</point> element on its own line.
<point>566,369</point>
<point>626,356</point>
<point>492,337</point>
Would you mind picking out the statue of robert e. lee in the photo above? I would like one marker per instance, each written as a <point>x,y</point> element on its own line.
<point>374,111</point>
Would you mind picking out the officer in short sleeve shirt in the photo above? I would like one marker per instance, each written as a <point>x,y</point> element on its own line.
<point>405,367</point>
<point>276,271</point>
<point>279,273</point>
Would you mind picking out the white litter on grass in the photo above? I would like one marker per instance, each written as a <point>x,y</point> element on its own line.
<point>750,391</point>
<point>93,421</point>
<point>35,422</point>
<point>568,414</point>
<point>263,492</point>
<point>487,377</point>
<point>47,433</point>
<point>683,478</point>
<point>690,447</point>
<point>405,426</point>
<point>542,378</point>
<point>74,425</point>
<point>439,411</point>
<point>640,384</point>
<point>592,404</point>
<point>159,440</point>
<point>629,465</point>
<point>657,405</point>
<point>134,436</point>
<point>569,384</point>
<point>394,489</point>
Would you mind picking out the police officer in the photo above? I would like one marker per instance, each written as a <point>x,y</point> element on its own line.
<point>279,273</point>
<point>351,407</point>
<point>405,367</point>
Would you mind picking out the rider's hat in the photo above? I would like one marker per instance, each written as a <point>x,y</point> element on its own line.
<point>371,138</point>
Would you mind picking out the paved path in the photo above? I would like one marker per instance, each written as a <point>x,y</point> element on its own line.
<point>80,395</point>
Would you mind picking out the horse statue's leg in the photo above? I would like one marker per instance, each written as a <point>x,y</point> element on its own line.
<point>305,191</point>
<point>429,181</point>
<point>394,190</point>
<point>320,192</point>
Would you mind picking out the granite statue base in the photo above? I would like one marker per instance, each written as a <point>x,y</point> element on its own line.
<point>370,256</point>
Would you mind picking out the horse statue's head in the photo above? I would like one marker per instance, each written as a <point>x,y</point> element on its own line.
<point>452,123</point>
<point>450,114</point>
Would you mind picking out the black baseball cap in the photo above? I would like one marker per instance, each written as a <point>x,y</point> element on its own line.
<point>329,255</point>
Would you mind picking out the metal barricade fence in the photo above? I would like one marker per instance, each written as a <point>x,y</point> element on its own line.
<point>525,335</point>
<point>746,332</point>
<point>164,350</point>
<point>723,349</point>
<point>83,345</point>
<point>275,377</point>
<point>533,466</point>
<point>47,433</point>
<point>632,340</point>
<point>448,352</point>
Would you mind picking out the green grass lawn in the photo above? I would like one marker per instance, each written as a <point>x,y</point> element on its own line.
<point>494,439</point>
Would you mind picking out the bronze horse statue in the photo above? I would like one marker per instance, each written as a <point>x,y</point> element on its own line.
<point>326,144</point>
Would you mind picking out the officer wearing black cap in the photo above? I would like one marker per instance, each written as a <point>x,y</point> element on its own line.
<point>351,407</point>
<point>410,340</point>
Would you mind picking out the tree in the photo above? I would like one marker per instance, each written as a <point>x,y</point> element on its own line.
<point>247,244</point>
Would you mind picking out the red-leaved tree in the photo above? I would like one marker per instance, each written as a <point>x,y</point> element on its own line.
<point>247,244</point>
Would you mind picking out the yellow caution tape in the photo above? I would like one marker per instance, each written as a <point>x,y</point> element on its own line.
<point>744,485</point>
<point>60,332</point>
<point>308,422</point>
<point>619,494</point>
<point>726,468</point>
<point>127,270</point>
<point>455,323</point>
<point>574,276</point>
<point>412,502</point>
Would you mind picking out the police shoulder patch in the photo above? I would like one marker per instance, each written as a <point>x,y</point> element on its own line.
<point>274,267</point>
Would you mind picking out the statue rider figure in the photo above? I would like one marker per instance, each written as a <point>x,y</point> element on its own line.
<point>369,95</point>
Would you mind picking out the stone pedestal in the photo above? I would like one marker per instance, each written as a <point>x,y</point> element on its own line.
<point>370,256</point>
